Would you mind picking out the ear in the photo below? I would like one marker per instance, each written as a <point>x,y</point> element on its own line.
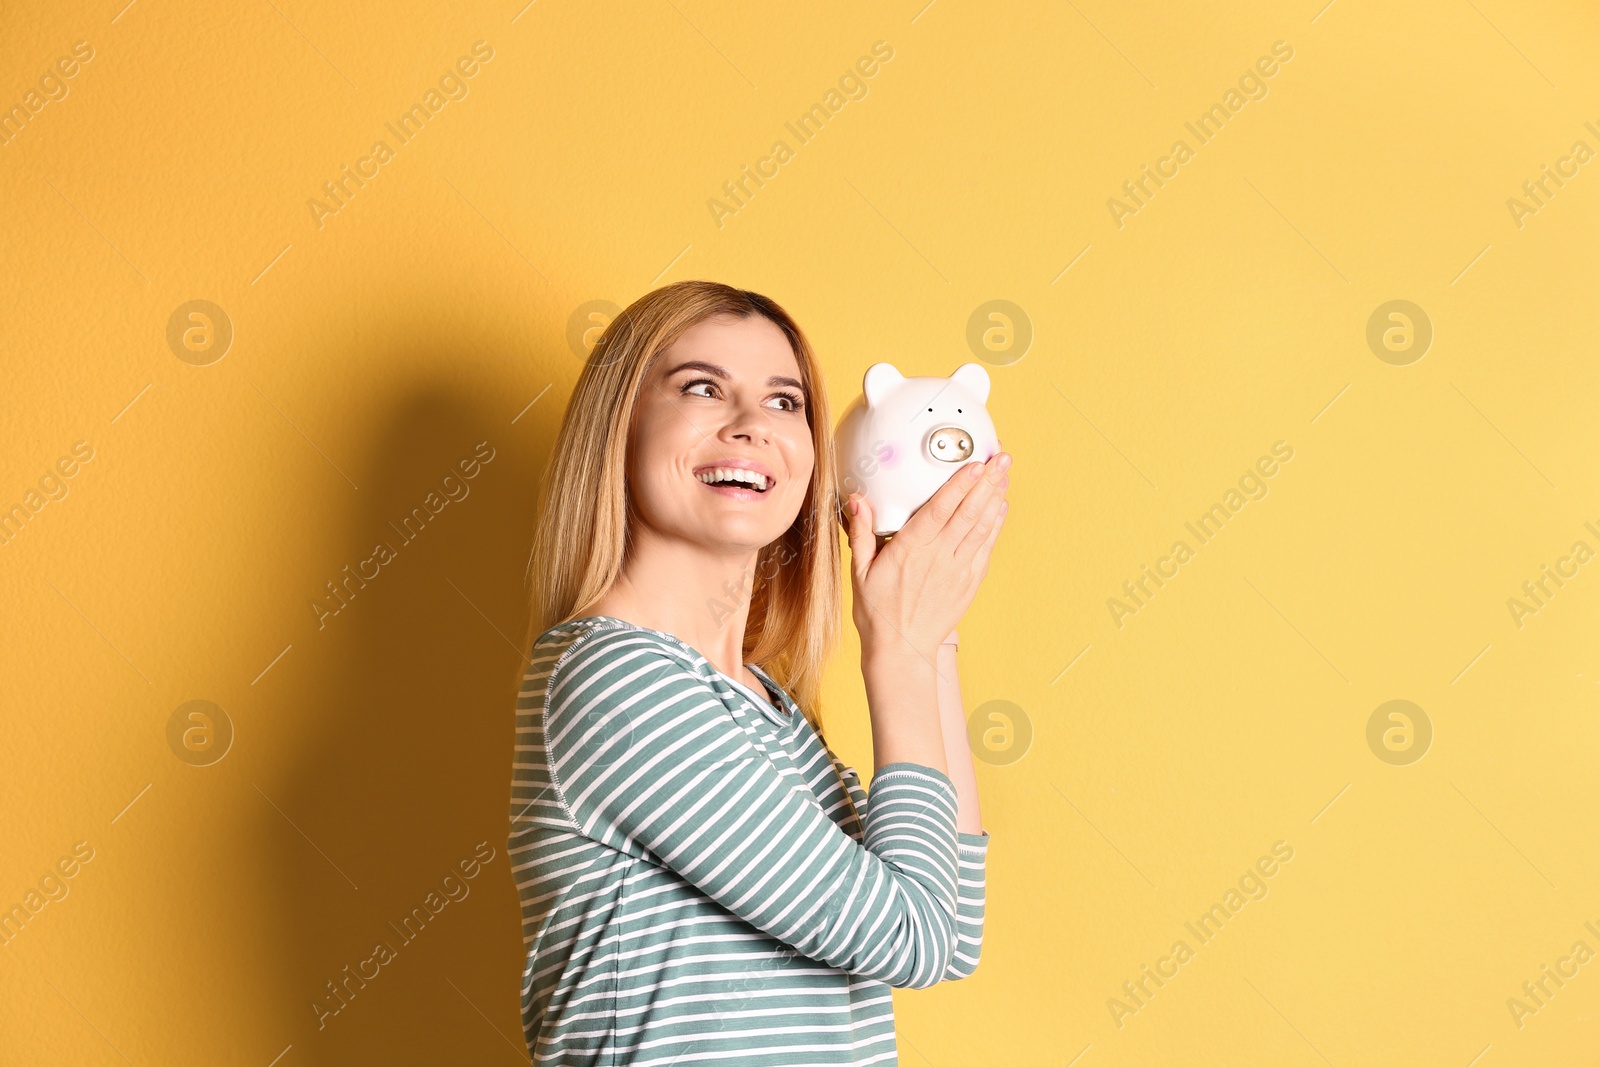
<point>974,379</point>
<point>879,381</point>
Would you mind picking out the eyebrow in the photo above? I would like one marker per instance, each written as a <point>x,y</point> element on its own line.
<point>722,372</point>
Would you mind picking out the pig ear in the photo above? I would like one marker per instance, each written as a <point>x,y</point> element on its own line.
<point>880,379</point>
<point>974,379</point>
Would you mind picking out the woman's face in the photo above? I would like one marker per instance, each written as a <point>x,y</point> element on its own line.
<point>726,394</point>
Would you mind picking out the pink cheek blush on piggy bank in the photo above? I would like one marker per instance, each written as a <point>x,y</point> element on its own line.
<point>903,438</point>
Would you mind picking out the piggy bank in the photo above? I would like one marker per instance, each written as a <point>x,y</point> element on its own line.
<point>903,438</point>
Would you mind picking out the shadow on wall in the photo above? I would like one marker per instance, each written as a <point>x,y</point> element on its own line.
<point>398,931</point>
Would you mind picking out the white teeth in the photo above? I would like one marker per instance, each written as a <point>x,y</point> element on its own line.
<point>723,474</point>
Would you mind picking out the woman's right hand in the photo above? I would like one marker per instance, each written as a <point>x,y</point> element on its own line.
<point>913,590</point>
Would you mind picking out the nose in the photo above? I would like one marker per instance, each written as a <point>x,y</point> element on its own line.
<point>950,444</point>
<point>749,423</point>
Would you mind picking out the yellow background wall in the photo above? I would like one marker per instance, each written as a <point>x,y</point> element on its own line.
<point>375,347</point>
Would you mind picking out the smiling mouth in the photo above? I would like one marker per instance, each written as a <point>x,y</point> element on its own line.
<point>735,480</point>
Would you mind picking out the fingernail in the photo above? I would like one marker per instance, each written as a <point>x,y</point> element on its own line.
<point>1005,507</point>
<point>1005,481</point>
<point>855,506</point>
<point>1005,460</point>
<point>973,470</point>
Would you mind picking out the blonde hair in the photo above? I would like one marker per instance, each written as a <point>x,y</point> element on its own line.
<point>582,536</point>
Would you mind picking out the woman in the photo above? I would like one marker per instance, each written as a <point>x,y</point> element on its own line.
<point>701,880</point>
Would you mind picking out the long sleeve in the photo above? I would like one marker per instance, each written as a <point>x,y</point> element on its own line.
<point>647,759</point>
<point>971,886</point>
<point>972,852</point>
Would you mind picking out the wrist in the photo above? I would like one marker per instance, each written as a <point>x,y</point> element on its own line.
<point>901,669</point>
<point>897,646</point>
<point>896,656</point>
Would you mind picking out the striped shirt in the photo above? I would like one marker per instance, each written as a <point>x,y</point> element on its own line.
<point>703,881</point>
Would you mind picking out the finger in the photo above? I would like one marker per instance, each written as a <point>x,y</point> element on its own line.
<point>980,559</point>
<point>971,509</point>
<point>977,569</point>
<point>863,547</point>
<point>982,529</point>
<point>926,522</point>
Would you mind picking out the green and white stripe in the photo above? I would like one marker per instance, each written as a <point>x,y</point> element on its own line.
<point>702,881</point>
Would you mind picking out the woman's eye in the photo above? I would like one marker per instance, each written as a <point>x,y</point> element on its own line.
<point>795,400</point>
